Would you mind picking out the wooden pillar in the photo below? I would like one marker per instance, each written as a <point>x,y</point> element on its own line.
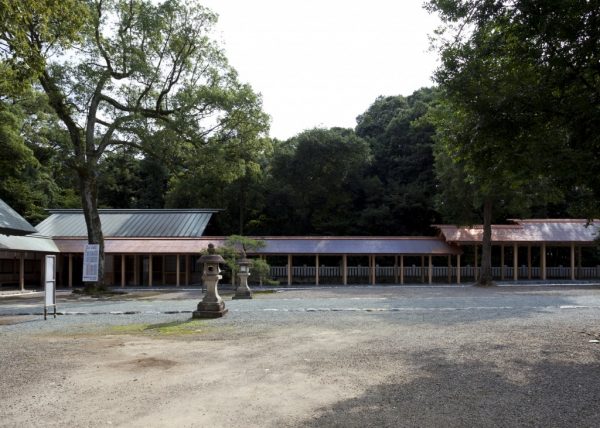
<point>164,273</point>
<point>396,269</point>
<point>543,261</point>
<point>289,270</point>
<point>123,269</point>
<point>449,273</point>
<point>373,270</point>
<point>317,269</point>
<point>43,272</point>
<point>70,270</point>
<point>572,261</point>
<point>528,261</point>
<point>187,269</point>
<point>476,263</point>
<point>515,262</point>
<point>458,268</point>
<point>422,269</point>
<point>579,262</point>
<point>22,271</point>
<point>402,269</point>
<point>177,272</point>
<point>150,272</point>
<point>502,262</point>
<point>136,270</point>
<point>430,270</point>
<point>345,269</point>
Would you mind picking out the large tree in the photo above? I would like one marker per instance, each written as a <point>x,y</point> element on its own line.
<point>521,80</point>
<point>140,68</point>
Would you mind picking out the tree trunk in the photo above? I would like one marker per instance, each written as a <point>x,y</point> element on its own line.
<point>485,277</point>
<point>88,186</point>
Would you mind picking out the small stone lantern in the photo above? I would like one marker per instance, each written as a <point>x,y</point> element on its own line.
<point>243,291</point>
<point>212,305</point>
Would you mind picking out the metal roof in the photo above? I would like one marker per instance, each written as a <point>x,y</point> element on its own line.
<point>167,223</point>
<point>11,223</point>
<point>32,243</point>
<point>536,230</point>
<point>275,245</point>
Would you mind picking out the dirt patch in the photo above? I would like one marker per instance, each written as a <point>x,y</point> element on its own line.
<point>146,363</point>
<point>14,320</point>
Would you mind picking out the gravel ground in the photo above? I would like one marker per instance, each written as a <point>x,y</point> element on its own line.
<point>355,356</point>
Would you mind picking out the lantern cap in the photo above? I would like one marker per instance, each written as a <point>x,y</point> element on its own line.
<point>211,257</point>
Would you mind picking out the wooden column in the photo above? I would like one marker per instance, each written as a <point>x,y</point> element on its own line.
<point>43,272</point>
<point>515,262</point>
<point>572,261</point>
<point>177,272</point>
<point>449,269</point>
<point>164,270</point>
<point>136,270</point>
<point>476,263</point>
<point>402,269</point>
<point>289,270</point>
<point>396,269</point>
<point>187,269</point>
<point>317,269</point>
<point>22,271</point>
<point>374,273</point>
<point>345,269</point>
<point>422,269</point>
<point>70,270</point>
<point>543,261</point>
<point>578,262</point>
<point>150,272</point>
<point>123,269</point>
<point>430,269</point>
<point>458,268</point>
<point>502,262</point>
<point>529,262</point>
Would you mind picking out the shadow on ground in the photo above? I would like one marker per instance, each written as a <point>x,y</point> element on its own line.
<point>476,394</point>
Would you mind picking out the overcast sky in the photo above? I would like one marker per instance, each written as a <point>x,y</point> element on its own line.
<point>321,63</point>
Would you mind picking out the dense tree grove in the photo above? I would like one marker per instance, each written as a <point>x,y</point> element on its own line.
<point>130,104</point>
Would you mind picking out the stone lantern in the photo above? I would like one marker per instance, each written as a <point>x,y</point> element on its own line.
<point>212,305</point>
<point>243,291</point>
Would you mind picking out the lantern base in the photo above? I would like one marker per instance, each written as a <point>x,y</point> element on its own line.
<point>210,310</point>
<point>242,294</point>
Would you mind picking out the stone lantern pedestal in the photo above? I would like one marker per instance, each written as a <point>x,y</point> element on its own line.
<point>212,305</point>
<point>243,291</point>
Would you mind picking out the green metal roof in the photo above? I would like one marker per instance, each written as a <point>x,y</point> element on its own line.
<point>116,223</point>
<point>11,223</point>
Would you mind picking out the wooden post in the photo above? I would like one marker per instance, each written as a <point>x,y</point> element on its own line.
<point>289,270</point>
<point>187,269</point>
<point>345,269</point>
<point>402,269</point>
<point>396,269</point>
<point>123,266</point>
<point>579,261</point>
<point>374,274</point>
<point>164,270</point>
<point>422,269</point>
<point>515,262</point>
<point>70,270</point>
<point>543,261</point>
<point>528,261</point>
<point>458,268</point>
<point>316,269</point>
<point>430,270</point>
<point>136,270</point>
<point>150,272</point>
<point>22,271</point>
<point>572,261</point>
<point>449,269</point>
<point>502,262</point>
<point>177,272</point>
<point>476,263</point>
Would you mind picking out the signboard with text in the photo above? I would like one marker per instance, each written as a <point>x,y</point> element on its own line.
<point>91,258</point>
<point>50,285</point>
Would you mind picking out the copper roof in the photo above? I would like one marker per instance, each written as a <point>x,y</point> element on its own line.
<point>168,223</point>
<point>274,245</point>
<point>11,223</point>
<point>535,230</point>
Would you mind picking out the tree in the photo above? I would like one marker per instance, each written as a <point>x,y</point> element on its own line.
<point>516,74</point>
<point>140,68</point>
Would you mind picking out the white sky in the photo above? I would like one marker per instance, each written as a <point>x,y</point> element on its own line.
<point>323,62</point>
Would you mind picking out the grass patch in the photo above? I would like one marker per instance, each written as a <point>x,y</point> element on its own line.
<point>175,328</point>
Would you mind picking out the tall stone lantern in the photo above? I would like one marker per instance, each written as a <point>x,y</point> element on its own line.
<point>243,291</point>
<point>212,305</point>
